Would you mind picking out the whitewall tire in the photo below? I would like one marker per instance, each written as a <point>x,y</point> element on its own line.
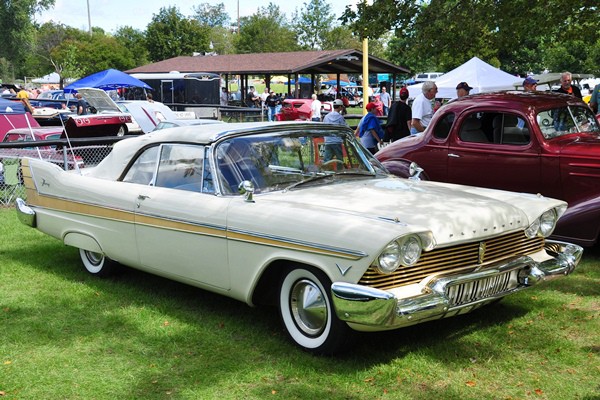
<point>307,313</point>
<point>97,263</point>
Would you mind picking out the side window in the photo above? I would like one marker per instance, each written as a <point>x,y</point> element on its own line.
<point>510,129</point>
<point>176,166</point>
<point>473,128</point>
<point>443,126</point>
<point>183,167</point>
<point>142,170</point>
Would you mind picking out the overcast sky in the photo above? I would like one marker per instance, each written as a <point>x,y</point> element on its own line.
<point>112,14</point>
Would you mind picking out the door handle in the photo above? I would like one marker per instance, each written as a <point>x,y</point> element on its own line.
<point>453,155</point>
<point>141,197</point>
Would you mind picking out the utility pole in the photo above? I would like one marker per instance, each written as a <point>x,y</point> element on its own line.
<point>365,69</point>
<point>90,18</point>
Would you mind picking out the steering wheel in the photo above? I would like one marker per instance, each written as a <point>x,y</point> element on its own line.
<point>332,164</point>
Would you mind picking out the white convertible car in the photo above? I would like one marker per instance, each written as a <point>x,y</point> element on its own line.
<point>299,215</point>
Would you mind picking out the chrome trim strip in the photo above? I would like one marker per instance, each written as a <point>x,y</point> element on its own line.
<point>355,254</point>
<point>211,230</point>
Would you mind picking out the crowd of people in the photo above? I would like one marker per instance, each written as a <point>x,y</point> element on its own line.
<point>23,93</point>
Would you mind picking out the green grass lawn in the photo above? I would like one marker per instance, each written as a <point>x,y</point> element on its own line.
<point>67,335</point>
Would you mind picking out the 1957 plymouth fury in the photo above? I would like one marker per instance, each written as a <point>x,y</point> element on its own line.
<point>301,216</point>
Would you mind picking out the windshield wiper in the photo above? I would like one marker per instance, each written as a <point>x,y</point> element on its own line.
<point>315,178</point>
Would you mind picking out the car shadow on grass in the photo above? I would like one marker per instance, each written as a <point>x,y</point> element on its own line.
<point>173,337</point>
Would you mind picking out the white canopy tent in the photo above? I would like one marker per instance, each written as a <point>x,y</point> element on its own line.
<point>481,76</point>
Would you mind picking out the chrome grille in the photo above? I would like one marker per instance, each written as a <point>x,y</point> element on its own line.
<point>439,261</point>
<point>465,293</point>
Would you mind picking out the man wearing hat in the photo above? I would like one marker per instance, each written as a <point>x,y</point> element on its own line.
<point>333,144</point>
<point>335,116</point>
<point>370,130</point>
<point>398,123</point>
<point>530,84</point>
<point>463,89</point>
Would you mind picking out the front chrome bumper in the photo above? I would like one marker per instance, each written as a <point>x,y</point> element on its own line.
<point>375,309</point>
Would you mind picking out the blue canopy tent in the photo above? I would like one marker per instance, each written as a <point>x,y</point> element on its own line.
<point>302,79</point>
<point>333,82</point>
<point>109,79</point>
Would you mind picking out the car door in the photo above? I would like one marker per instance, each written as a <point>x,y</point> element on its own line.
<point>496,150</point>
<point>180,222</point>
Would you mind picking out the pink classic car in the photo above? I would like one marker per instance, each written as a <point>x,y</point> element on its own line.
<point>543,143</point>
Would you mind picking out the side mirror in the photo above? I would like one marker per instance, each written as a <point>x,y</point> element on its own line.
<point>246,188</point>
<point>414,171</point>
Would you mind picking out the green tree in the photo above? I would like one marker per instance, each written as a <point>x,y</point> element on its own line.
<point>340,37</point>
<point>266,31</point>
<point>170,34</point>
<point>135,41</point>
<point>312,23</point>
<point>88,54</point>
<point>516,35</point>
<point>213,16</point>
<point>17,30</point>
<point>217,20</point>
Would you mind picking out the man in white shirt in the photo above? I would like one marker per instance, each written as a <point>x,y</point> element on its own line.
<point>315,109</point>
<point>422,109</point>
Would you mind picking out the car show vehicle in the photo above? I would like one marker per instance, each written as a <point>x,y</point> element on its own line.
<point>299,109</point>
<point>299,215</point>
<point>544,143</point>
<point>13,115</point>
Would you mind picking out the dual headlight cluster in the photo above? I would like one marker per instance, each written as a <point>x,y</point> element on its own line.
<point>544,225</point>
<point>404,251</point>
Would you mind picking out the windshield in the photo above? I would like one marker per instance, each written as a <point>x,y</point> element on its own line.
<point>565,120</point>
<point>279,161</point>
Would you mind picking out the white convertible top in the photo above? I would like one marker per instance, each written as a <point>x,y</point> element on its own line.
<point>113,165</point>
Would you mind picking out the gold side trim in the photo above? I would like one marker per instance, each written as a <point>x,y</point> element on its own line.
<point>97,211</point>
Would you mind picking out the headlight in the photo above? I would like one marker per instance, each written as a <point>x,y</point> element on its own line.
<point>389,259</point>
<point>405,251</point>
<point>543,226</point>
<point>532,230</point>
<point>547,223</point>
<point>411,251</point>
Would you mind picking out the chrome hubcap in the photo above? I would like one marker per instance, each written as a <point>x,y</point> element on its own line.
<point>94,258</point>
<point>309,307</point>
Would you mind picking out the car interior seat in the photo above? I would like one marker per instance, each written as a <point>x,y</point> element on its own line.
<point>471,131</point>
<point>510,129</point>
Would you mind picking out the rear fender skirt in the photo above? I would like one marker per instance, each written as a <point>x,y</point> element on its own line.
<point>82,241</point>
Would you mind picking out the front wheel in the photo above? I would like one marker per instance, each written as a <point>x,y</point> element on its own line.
<point>306,310</point>
<point>97,263</point>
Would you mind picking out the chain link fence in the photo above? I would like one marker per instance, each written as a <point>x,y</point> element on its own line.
<point>75,154</point>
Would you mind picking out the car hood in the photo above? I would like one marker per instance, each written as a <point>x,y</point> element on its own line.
<point>579,144</point>
<point>453,213</point>
<point>99,99</point>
